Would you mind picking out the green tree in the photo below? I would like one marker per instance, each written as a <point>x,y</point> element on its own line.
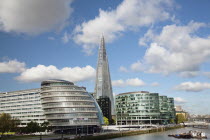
<point>112,121</point>
<point>171,121</point>
<point>32,127</point>
<point>180,118</point>
<point>45,126</point>
<point>7,123</point>
<point>106,120</point>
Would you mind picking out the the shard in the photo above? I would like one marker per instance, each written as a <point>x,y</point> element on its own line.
<point>103,86</point>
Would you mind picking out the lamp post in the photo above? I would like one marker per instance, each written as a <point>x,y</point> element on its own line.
<point>121,116</point>
<point>62,133</point>
<point>40,136</point>
<point>150,119</point>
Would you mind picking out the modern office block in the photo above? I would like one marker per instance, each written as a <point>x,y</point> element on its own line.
<point>163,104</point>
<point>171,109</point>
<point>103,86</point>
<point>105,105</point>
<point>24,105</point>
<point>142,107</point>
<point>70,108</point>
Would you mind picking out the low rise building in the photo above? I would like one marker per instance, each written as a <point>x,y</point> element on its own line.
<point>180,111</point>
<point>142,107</point>
<point>24,105</point>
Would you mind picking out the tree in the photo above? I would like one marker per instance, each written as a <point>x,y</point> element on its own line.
<point>33,127</point>
<point>106,120</point>
<point>7,123</point>
<point>171,121</point>
<point>112,121</point>
<point>45,126</point>
<point>180,118</point>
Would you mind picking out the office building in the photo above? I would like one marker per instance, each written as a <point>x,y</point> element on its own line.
<point>142,107</point>
<point>167,110</point>
<point>67,107</point>
<point>24,105</point>
<point>103,87</point>
<point>105,105</point>
<point>70,108</point>
<point>180,111</point>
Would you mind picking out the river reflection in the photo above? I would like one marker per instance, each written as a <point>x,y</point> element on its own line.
<point>163,135</point>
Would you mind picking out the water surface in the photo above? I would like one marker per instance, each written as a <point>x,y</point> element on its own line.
<point>163,135</point>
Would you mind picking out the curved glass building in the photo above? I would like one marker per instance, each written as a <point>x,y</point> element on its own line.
<point>142,107</point>
<point>70,108</point>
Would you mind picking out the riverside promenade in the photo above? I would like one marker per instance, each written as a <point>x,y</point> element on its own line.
<point>108,132</point>
<point>123,130</point>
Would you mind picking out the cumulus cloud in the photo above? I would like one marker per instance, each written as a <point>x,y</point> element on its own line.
<point>179,100</point>
<point>33,16</point>
<point>129,82</point>
<point>41,72</point>
<point>192,86</point>
<point>128,15</point>
<point>12,66</point>
<point>176,49</point>
<point>137,66</point>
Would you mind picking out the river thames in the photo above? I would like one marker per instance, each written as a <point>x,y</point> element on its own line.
<point>163,135</point>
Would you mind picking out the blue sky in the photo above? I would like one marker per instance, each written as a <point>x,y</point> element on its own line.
<point>158,46</point>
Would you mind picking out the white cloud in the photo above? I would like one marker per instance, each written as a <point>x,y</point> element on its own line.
<point>128,15</point>
<point>118,83</point>
<point>155,84</point>
<point>12,66</point>
<point>176,49</point>
<point>123,69</point>
<point>192,86</point>
<point>137,66</point>
<point>65,37</point>
<point>129,82</point>
<point>41,72</point>
<point>179,100</point>
<point>33,16</point>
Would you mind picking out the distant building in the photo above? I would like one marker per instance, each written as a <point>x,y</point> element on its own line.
<point>142,107</point>
<point>103,86</point>
<point>24,105</point>
<point>199,118</point>
<point>70,108</point>
<point>179,110</point>
<point>105,105</point>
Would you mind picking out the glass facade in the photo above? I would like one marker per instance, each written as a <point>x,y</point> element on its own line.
<point>103,85</point>
<point>67,105</point>
<point>24,105</point>
<point>105,105</point>
<point>134,108</point>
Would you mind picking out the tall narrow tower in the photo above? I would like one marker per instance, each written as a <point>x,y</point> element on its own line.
<point>103,87</point>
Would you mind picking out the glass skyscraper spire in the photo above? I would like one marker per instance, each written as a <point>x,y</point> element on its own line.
<point>103,86</point>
